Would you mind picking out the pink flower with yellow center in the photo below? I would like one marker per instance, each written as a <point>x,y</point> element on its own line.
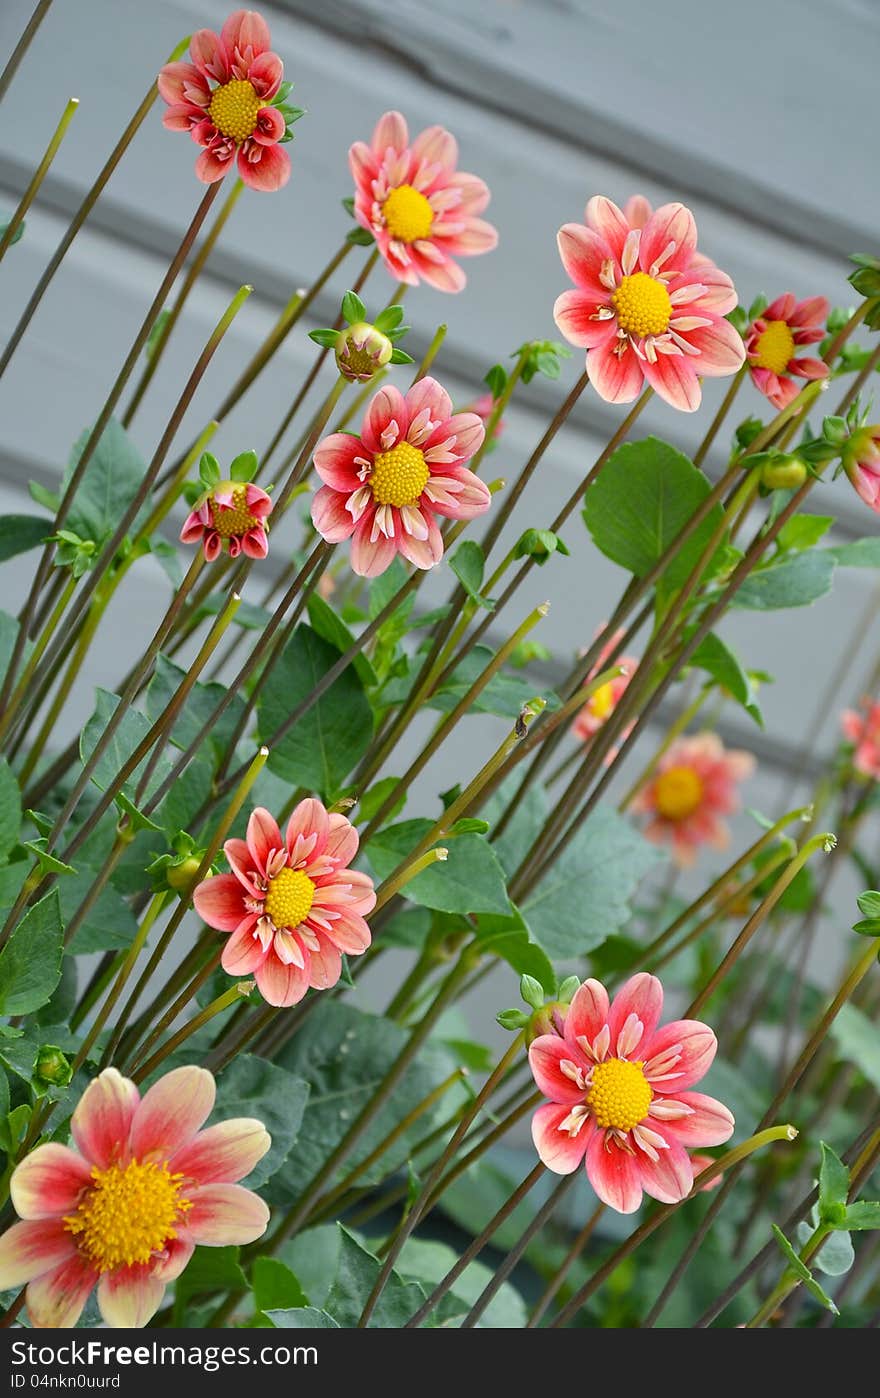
<point>292,904</point>
<point>863,731</point>
<point>124,1210</point>
<point>693,786</point>
<point>647,307</point>
<point>422,211</point>
<point>620,1098</point>
<point>601,705</point>
<point>223,99</point>
<point>230,517</point>
<point>383,488</point>
<point>860,456</point>
<point>771,342</point>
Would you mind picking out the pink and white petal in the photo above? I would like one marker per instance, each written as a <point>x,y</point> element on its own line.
<point>127,1299</point>
<point>342,839</point>
<point>637,210</point>
<point>263,168</point>
<point>575,315</point>
<point>361,896</point>
<point>210,167</point>
<point>171,1112</point>
<point>219,901</point>
<point>583,253</point>
<point>605,218</point>
<point>263,836</point>
<point>670,1177</point>
<point>474,192</point>
<point>437,269</point>
<point>391,130</point>
<point>721,348</point>
<point>422,553</point>
<point>587,1013</point>
<point>473,499</point>
<point>335,461</point>
<point>467,431</point>
<point>325,965</point>
<point>255,543</point>
<point>49,1182</point>
<point>244,30</point>
<point>674,378</point>
<point>813,311</point>
<point>308,818</point>
<point>168,1265</point>
<point>264,76</point>
<point>547,1054</point>
<point>182,84</point>
<point>30,1248</point>
<point>616,378</point>
<point>55,1300</point>
<point>435,146</point>
<point>709,1124</point>
<point>370,557</point>
<point>363,165</point>
<point>101,1123</point>
<point>696,1046</point>
<point>385,421</point>
<point>475,238</point>
<point>281,985</point>
<point>719,295</point>
<point>670,224</point>
<point>223,1215</point>
<point>807,368</point>
<point>222,1154</point>
<point>642,996</point>
<point>269,128</point>
<point>330,517</point>
<point>244,951</point>
<point>350,932</point>
<point>560,1152</point>
<point>428,395</point>
<point>209,54</point>
<point>614,1173</point>
<point>213,546</point>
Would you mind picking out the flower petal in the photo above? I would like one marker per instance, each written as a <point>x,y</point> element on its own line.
<point>342,839</point>
<point>263,168</point>
<point>587,1013</point>
<point>281,985</point>
<point>219,901</point>
<point>333,521</point>
<point>386,420</point>
<point>674,378</point>
<point>49,1182</point>
<point>614,1173</point>
<point>670,1177</point>
<point>583,252</point>
<point>575,315</point>
<point>605,218</point>
<point>370,557</point>
<point>30,1248</point>
<point>171,1112</point>
<point>55,1300</point>
<point>679,1054</point>
<point>223,1154</point>
<point>547,1055</point>
<point>671,223</point>
<point>709,1124</point>
<point>616,378</point>
<point>561,1152</point>
<point>263,836</point>
<point>721,348</point>
<point>335,461</point>
<point>244,951</point>
<point>223,1215</point>
<point>101,1123</point>
<point>642,996</point>
<point>391,130</point>
<point>307,819</point>
<point>130,1297</point>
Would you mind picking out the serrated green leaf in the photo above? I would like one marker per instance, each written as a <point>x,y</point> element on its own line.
<point>470,881</point>
<point>30,963</point>
<point>833,1182</point>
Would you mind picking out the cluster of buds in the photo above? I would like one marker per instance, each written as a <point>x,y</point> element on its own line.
<point>546,1016</point>
<point>364,347</point>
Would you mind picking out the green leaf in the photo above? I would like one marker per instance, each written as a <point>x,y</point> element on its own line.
<point>468,563</point>
<point>332,737</point>
<point>156,335</point>
<point>326,337</point>
<point>275,1286</point>
<point>209,1269</point>
<point>505,694</point>
<point>374,799</point>
<point>355,1277</point>
<point>19,533</point>
<point>836,1254</point>
<point>861,553</point>
<point>857,1039</point>
<point>252,1087</point>
<point>130,733</point>
<point>428,1262</point>
<point>802,1272</point>
<point>110,483</point>
<point>332,628</point>
<point>802,532</point>
<point>869,903</point>
<point>864,1214</point>
<point>470,881</point>
<point>30,963</point>
<point>8,635</point>
<point>196,718</point>
<point>302,1318</point>
<point>719,661</point>
<point>244,467</point>
<point>496,380</point>
<point>640,502</point>
<point>833,1183</point>
<point>794,580</point>
<point>511,939</point>
<point>19,232</point>
<point>353,308</point>
<point>10,809</point>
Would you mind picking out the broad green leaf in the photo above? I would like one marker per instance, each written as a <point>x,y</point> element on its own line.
<point>330,739</point>
<point>861,553</point>
<point>110,483</point>
<point>8,634</point>
<point>275,1286</point>
<point>30,963</point>
<point>470,881</point>
<point>795,580</point>
<point>356,1275</point>
<point>333,629</point>
<point>302,1318</point>
<point>802,532</point>
<point>196,717</point>
<point>131,731</point>
<point>10,809</point>
<point>862,1215</point>
<point>428,1262</point>
<point>504,695</point>
<point>253,1087</point>
<point>715,657</point>
<point>641,501</point>
<point>109,924</point>
<point>833,1184</point>
<point>836,1254</point>
<point>510,938</point>
<point>209,1269</point>
<point>19,533</point>
<point>858,1042</point>
<point>468,563</point>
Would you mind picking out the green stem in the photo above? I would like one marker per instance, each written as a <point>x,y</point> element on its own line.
<point>216,1007</point>
<point>23,45</point>
<point>39,175</point>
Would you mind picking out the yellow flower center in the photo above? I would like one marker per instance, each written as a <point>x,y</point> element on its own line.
<point>642,304</point>
<point>399,475</point>
<point>130,1213</point>
<point>602,702</point>
<point>620,1095</point>
<point>408,215</point>
<point>290,898</point>
<point>775,347</point>
<point>234,108</point>
<point>678,792</point>
<point>232,520</point>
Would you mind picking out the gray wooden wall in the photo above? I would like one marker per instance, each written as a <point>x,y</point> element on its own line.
<point>760,116</point>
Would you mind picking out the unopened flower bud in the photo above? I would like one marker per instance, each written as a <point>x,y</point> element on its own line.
<point>783,473</point>
<point>52,1066</point>
<point>181,874</point>
<point>860,455</point>
<point>549,1019</point>
<point>361,351</point>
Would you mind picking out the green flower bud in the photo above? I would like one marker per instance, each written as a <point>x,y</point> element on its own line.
<point>52,1066</point>
<point>783,473</point>
<point>181,874</point>
<point>361,351</point>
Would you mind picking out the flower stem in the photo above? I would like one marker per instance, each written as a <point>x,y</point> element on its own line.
<point>23,45</point>
<point>216,1007</point>
<point>39,175</point>
<point>405,873</point>
<point>568,1262</point>
<point>430,355</point>
<point>676,727</point>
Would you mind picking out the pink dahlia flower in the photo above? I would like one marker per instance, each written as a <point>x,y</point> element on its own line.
<point>861,462</point>
<point>230,516</point>
<point>292,904</point>
<point>646,306</point>
<point>619,1095</point>
<point>124,1210</point>
<point>223,98</point>
<point>863,731</point>
<point>421,210</point>
<point>771,341</point>
<point>693,786</point>
<point>384,487</point>
<point>601,705</point>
